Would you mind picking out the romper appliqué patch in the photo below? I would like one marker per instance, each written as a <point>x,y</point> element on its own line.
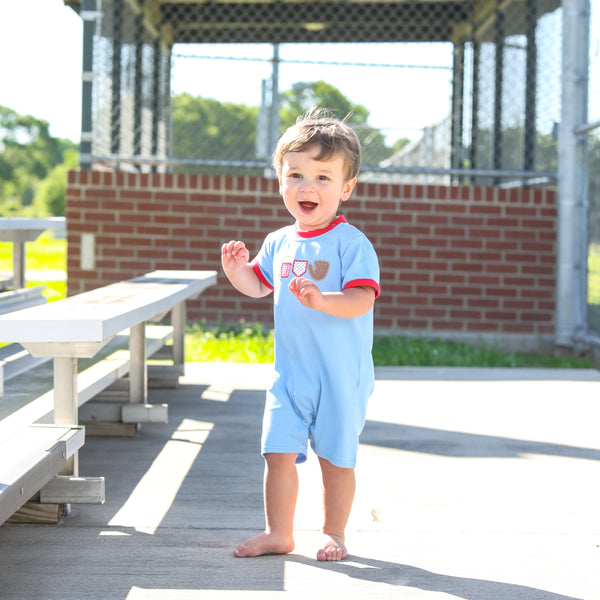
<point>299,267</point>
<point>286,267</point>
<point>318,270</point>
<point>285,270</point>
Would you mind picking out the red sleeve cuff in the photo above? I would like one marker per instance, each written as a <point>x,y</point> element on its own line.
<point>364,282</point>
<point>259,274</point>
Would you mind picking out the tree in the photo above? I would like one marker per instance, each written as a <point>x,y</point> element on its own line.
<point>50,199</point>
<point>205,128</point>
<point>208,129</point>
<point>303,96</point>
<point>28,153</point>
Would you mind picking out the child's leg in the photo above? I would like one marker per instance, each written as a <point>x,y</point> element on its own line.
<point>281,493</point>
<point>338,494</point>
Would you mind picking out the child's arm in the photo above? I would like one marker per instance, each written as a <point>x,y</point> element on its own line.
<point>349,303</point>
<point>234,257</point>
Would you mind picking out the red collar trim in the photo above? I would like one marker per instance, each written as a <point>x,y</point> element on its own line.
<point>316,232</point>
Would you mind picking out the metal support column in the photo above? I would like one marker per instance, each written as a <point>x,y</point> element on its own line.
<point>138,23</point>
<point>156,96</point>
<point>274,120</point>
<point>18,265</point>
<point>115,115</point>
<point>458,91</point>
<point>179,319</point>
<point>138,373</point>
<point>90,14</point>
<point>65,402</point>
<point>475,86</point>
<point>498,87</point>
<point>529,141</point>
<point>571,275</point>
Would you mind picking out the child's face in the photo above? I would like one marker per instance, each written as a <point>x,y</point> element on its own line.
<point>313,189</point>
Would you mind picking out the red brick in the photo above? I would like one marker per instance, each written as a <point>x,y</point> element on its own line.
<point>485,252</point>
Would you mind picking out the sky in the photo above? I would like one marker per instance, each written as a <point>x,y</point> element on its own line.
<point>40,68</point>
<point>40,72</point>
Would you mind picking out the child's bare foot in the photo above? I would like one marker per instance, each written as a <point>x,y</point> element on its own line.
<point>264,543</point>
<point>333,549</point>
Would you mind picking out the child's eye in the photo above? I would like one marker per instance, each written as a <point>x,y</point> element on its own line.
<point>295,175</point>
<point>323,178</point>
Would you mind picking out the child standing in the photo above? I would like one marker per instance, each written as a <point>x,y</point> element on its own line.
<point>325,278</point>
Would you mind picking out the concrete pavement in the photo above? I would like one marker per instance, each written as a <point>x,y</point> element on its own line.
<point>474,484</point>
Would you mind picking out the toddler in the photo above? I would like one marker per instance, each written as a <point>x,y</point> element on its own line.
<point>324,275</point>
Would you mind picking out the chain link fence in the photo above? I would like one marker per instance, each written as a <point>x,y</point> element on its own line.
<point>438,92</point>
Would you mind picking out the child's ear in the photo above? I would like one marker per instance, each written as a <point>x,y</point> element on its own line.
<point>347,189</point>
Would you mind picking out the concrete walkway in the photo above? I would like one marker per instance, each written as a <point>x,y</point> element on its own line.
<point>472,483</point>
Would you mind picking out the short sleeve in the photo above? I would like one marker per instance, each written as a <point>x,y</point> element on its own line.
<point>263,262</point>
<point>360,266</point>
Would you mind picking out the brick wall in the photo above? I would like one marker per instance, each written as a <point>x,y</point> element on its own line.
<point>460,262</point>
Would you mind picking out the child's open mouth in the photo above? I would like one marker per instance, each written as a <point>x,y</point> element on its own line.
<point>308,206</point>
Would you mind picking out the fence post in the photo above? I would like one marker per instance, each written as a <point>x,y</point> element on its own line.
<point>90,12</point>
<point>571,270</point>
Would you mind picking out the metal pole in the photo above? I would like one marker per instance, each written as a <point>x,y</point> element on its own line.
<point>179,320</point>
<point>115,115</point>
<point>498,89</point>
<point>529,142</point>
<point>138,35</point>
<point>475,87</point>
<point>18,265</point>
<point>138,373</point>
<point>65,402</point>
<point>458,78</point>
<point>89,14</point>
<point>156,91</point>
<point>571,269</point>
<point>274,124</point>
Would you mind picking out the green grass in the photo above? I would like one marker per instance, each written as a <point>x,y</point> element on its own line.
<point>396,350</point>
<point>46,253</point>
<point>251,344</point>
<point>594,274</point>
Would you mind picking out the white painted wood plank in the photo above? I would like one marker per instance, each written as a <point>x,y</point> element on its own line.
<point>96,315</point>
<point>28,461</point>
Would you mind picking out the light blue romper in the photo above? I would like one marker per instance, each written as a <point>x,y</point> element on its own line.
<point>323,365</point>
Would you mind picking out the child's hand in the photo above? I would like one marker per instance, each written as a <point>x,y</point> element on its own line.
<point>307,292</point>
<point>234,255</point>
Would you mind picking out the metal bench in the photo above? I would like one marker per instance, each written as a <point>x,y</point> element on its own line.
<point>87,327</point>
<point>19,231</point>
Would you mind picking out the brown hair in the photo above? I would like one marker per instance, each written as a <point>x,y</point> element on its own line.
<point>318,127</point>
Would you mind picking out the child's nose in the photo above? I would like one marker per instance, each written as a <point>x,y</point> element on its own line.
<point>306,186</point>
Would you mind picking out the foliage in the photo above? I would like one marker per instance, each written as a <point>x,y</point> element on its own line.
<point>399,144</point>
<point>50,199</point>
<point>28,155</point>
<point>305,95</point>
<point>206,128</point>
